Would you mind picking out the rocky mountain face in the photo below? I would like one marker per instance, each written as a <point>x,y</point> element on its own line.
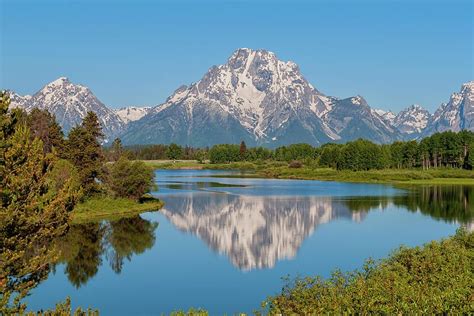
<point>457,114</point>
<point>412,121</point>
<point>387,116</point>
<point>132,113</point>
<point>259,99</point>
<point>70,103</point>
<point>353,118</point>
<point>18,101</point>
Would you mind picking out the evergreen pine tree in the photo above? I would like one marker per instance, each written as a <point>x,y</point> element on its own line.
<point>43,125</point>
<point>84,150</point>
<point>243,150</point>
<point>116,150</point>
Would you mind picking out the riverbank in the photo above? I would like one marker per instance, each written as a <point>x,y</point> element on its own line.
<point>107,208</point>
<point>433,279</point>
<point>280,170</point>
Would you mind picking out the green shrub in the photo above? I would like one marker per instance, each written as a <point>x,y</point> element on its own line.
<point>130,179</point>
<point>63,175</point>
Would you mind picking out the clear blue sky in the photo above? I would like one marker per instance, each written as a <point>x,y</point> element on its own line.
<point>394,53</point>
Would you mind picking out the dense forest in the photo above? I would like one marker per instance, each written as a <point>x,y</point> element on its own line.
<point>447,149</point>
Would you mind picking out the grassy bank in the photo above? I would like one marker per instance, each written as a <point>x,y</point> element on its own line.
<point>405,176</point>
<point>96,209</point>
<point>434,279</point>
<point>280,170</point>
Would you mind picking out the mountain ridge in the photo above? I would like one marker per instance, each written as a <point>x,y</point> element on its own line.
<point>254,97</point>
<point>262,99</point>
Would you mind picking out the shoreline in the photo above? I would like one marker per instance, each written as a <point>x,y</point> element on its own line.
<point>280,170</point>
<point>107,208</point>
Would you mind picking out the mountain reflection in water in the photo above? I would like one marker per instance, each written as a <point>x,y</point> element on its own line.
<point>254,232</point>
<point>257,231</point>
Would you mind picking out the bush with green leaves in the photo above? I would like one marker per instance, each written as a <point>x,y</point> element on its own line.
<point>174,152</point>
<point>224,153</point>
<point>130,179</point>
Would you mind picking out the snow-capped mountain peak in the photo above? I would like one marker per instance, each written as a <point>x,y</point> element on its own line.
<point>260,99</point>
<point>70,103</point>
<point>251,87</point>
<point>457,114</point>
<point>59,82</point>
<point>412,120</point>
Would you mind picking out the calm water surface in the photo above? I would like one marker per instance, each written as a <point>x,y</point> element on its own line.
<point>225,243</point>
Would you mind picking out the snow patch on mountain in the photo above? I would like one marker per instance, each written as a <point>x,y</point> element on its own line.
<point>18,101</point>
<point>457,114</point>
<point>388,116</point>
<point>132,113</point>
<point>412,120</point>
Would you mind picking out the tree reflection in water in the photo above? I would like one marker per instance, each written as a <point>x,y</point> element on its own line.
<point>450,203</point>
<point>453,203</point>
<point>85,246</point>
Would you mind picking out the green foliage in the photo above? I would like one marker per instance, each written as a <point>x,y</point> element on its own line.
<point>43,125</point>
<point>116,150</point>
<point>200,155</point>
<point>447,149</point>
<point>174,152</point>
<point>296,152</point>
<point>34,210</point>
<point>130,179</point>
<point>435,279</point>
<point>85,152</point>
<point>64,309</point>
<point>224,153</point>
<point>63,174</point>
<point>191,312</point>
<point>360,155</point>
<point>330,155</point>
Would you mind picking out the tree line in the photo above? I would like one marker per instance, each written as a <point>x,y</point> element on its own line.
<point>446,149</point>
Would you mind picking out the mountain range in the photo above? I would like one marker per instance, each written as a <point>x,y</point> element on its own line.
<point>254,97</point>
